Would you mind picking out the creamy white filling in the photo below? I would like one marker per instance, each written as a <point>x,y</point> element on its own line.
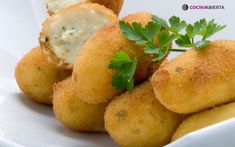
<point>56,5</point>
<point>70,32</point>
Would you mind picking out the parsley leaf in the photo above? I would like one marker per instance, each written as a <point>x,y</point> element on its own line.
<point>201,28</point>
<point>140,35</point>
<point>166,33</point>
<point>126,68</point>
<point>184,41</point>
<point>151,48</point>
<point>162,52</point>
<point>160,21</point>
<point>190,31</point>
<point>150,30</point>
<point>211,29</point>
<point>198,28</point>
<point>131,32</point>
<point>165,38</point>
<point>176,24</point>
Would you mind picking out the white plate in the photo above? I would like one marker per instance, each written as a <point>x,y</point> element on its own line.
<point>25,123</point>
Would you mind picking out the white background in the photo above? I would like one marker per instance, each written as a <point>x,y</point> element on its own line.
<point>19,27</point>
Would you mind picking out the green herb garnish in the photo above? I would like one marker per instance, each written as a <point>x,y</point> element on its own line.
<point>126,68</point>
<point>166,33</point>
<point>200,28</point>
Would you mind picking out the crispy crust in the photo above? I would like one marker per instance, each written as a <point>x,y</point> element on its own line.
<point>114,5</point>
<point>73,112</point>
<point>136,119</point>
<point>197,79</point>
<point>36,77</point>
<point>45,41</point>
<point>91,74</point>
<point>204,119</point>
<point>50,12</point>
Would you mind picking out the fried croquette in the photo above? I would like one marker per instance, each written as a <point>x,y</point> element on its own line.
<point>92,76</point>
<point>53,6</point>
<point>197,79</point>
<point>75,113</point>
<point>64,33</point>
<point>36,77</point>
<point>137,119</point>
<point>116,5</point>
<point>204,119</point>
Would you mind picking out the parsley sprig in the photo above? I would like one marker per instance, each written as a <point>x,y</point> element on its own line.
<point>201,28</point>
<point>126,67</point>
<point>177,30</point>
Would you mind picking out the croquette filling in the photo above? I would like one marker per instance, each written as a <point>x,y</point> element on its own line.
<point>56,5</point>
<point>72,30</point>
